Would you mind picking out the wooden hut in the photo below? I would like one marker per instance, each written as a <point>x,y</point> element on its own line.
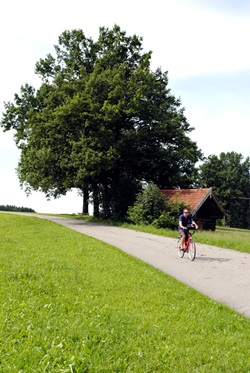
<point>202,202</point>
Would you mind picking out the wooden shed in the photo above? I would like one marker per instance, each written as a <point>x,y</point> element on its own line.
<point>202,202</point>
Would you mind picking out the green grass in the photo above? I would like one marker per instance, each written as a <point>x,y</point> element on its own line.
<point>236,239</point>
<point>70,303</point>
<point>229,238</point>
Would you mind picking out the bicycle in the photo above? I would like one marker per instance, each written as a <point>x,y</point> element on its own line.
<point>190,246</point>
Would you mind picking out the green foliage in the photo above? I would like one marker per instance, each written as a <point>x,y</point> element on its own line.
<point>101,119</point>
<point>64,310</point>
<point>229,175</point>
<point>150,207</point>
<point>166,220</point>
<point>15,208</point>
<point>170,217</point>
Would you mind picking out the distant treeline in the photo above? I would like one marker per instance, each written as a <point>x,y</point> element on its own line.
<point>15,208</point>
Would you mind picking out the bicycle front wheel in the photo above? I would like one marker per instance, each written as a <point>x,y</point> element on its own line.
<point>192,250</point>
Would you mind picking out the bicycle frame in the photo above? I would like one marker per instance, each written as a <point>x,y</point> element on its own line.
<point>188,240</point>
<point>190,246</point>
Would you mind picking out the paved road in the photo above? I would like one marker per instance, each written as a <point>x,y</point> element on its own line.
<point>222,274</point>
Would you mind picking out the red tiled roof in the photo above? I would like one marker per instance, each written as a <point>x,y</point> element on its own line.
<point>193,198</point>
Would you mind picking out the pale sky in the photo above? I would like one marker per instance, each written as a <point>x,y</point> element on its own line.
<point>203,44</point>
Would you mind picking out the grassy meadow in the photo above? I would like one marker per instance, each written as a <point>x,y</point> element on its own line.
<point>70,303</point>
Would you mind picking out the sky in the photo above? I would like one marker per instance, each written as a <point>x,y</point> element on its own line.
<point>203,44</point>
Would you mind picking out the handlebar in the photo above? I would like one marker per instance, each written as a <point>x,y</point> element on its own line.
<point>191,227</point>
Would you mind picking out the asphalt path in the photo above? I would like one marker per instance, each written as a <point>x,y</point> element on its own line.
<point>221,274</point>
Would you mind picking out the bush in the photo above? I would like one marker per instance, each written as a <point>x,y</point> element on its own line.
<point>166,220</point>
<point>148,206</point>
<point>170,217</point>
<point>151,208</point>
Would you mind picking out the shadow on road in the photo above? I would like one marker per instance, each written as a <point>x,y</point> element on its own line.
<point>205,258</point>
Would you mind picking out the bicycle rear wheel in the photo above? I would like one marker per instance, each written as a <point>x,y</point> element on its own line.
<point>192,250</point>
<point>180,252</point>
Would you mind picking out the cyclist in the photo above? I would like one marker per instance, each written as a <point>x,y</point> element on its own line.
<point>185,219</point>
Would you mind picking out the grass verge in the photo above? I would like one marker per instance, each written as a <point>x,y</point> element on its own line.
<point>229,238</point>
<point>70,303</point>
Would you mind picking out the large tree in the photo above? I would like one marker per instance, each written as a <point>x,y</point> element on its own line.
<point>101,122</point>
<point>229,175</point>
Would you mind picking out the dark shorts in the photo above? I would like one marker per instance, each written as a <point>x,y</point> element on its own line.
<point>183,232</point>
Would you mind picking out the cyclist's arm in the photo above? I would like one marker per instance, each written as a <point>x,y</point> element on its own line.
<point>196,225</point>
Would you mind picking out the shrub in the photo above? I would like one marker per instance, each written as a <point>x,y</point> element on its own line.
<point>151,208</point>
<point>166,220</point>
<point>148,206</point>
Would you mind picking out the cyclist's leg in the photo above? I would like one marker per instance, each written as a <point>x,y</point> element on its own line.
<point>183,238</point>
<point>179,247</point>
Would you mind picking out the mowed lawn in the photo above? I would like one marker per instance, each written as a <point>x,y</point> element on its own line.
<point>70,303</point>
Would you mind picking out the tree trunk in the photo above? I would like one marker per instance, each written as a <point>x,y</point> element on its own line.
<point>95,201</point>
<point>85,206</point>
<point>105,200</point>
